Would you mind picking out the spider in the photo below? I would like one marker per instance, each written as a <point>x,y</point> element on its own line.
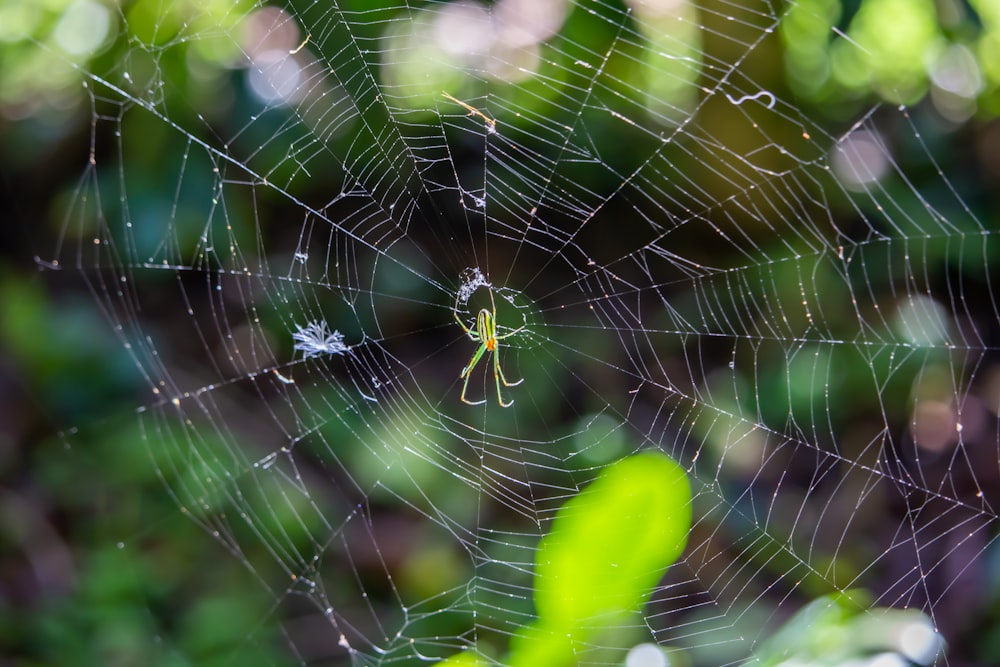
<point>485,334</point>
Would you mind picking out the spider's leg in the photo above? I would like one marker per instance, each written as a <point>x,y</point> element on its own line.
<point>472,362</point>
<point>511,333</point>
<point>497,375</point>
<point>470,332</point>
<point>465,386</point>
<point>467,373</point>
<point>499,371</point>
<point>454,311</point>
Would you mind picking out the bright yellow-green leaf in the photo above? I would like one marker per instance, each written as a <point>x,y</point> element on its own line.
<point>608,548</point>
<point>611,544</point>
<point>466,659</point>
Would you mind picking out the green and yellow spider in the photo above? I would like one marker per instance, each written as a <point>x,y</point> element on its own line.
<point>486,335</point>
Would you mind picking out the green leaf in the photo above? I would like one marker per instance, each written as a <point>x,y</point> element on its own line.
<point>611,544</point>
<point>466,659</point>
<point>844,628</point>
<point>608,548</point>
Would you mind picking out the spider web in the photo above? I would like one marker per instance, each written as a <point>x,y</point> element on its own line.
<point>701,265</point>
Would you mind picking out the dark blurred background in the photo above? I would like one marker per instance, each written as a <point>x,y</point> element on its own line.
<point>102,563</point>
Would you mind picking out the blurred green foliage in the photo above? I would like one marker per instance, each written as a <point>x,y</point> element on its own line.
<point>897,50</point>
<point>846,629</point>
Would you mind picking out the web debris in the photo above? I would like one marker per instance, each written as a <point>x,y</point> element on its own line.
<point>315,339</point>
<point>491,123</point>
<point>756,96</point>
<point>472,279</point>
